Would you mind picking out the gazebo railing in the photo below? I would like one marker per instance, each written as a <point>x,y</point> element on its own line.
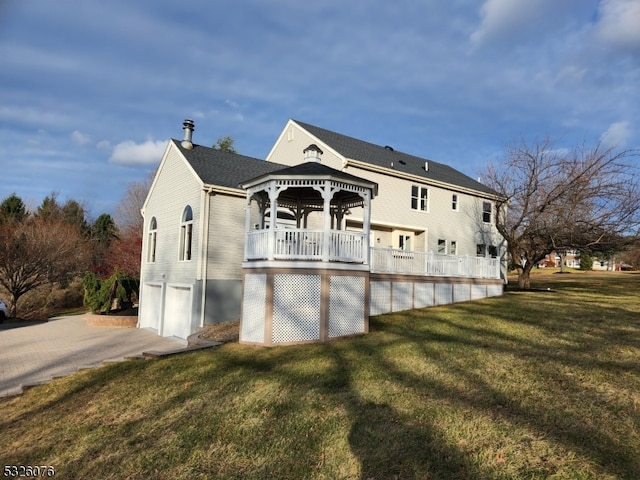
<point>305,244</point>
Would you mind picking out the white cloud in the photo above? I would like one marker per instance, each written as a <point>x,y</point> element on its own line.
<point>131,153</point>
<point>619,23</point>
<point>502,17</point>
<point>572,74</point>
<point>32,116</point>
<point>80,138</point>
<point>617,135</point>
<point>103,145</point>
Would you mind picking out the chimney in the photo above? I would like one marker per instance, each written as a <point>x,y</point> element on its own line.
<point>188,127</point>
<point>312,153</point>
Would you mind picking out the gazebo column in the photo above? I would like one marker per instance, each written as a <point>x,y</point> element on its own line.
<point>327,195</point>
<point>273,204</point>
<point>298,214</point>
<point>366,226</point>
<point>247,225</point>
<point>262,204</point>
<point>339,215</point>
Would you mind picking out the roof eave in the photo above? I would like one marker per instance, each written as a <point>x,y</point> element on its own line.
<point>408,176</point>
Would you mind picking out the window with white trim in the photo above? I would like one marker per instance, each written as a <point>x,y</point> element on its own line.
<point>151,244</point>
<point>419,198</point>
<point>404,242</point>
<point>486,212</point>
<point>453,247</point>
<point>442,245</point>
<point>454,202</point>
<point>186,234</point>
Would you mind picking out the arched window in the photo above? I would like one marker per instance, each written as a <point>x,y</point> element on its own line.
<point>153,235</point>
<point>186,234</point>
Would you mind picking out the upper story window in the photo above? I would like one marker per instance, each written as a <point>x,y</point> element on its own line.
<point>454,202</point>
<point>153,236</point>
<point>453,247</point>
<point>486,212</point>
<point>420,198</point>
<point>442,245</point>
<point>186,234</point>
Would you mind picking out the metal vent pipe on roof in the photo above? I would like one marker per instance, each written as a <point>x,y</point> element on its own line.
<point>188,127</point>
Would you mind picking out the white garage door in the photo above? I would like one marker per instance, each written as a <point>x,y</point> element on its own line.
<point>151,306</point>
<point>177,312</point>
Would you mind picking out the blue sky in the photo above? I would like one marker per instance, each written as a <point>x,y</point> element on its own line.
<point>90,91</point>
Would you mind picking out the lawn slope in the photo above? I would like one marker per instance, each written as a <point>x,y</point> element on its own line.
<point>529,385</point>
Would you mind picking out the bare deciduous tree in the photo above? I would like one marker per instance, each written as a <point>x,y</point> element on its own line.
<point>125,251</point>
<point>38,251</point>
<point>556,200</point>
<point>127,213</point>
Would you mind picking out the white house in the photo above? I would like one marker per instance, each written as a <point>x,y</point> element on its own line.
<point>430,229</point>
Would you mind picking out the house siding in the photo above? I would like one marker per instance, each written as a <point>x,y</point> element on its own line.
<point>226,237</point>
<point>289,148</point>
<point>175,187</point>
<point>391,213</point>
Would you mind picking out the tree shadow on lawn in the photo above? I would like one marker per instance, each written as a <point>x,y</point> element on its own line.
<point>389,446</point>
<point>577,426</point>
<point>395,407</point>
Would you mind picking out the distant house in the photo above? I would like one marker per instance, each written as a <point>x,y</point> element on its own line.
<point>554,259</point>
<point>428,223</point>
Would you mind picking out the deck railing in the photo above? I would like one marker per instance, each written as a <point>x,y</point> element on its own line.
<point>350,247</point>
<point>389,260</point>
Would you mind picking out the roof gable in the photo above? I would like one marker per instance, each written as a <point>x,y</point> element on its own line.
<point>387,157</point>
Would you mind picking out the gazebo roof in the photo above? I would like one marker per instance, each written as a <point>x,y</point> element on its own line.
<point>312,171</point>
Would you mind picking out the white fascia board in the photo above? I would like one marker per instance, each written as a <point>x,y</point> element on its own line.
<point>415,178</point>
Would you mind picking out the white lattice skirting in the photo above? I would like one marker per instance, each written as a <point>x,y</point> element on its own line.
<point>290,307</point>
<point>253,312</point>
<point>296,308</point>
<point>346,306</point>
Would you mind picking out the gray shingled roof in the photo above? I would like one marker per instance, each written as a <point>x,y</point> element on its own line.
<point>355,149</point>
<point>225,169</point>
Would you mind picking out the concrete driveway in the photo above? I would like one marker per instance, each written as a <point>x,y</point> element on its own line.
<point>32,353</point>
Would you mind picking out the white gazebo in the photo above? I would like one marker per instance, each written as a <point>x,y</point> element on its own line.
<point>305,277</point>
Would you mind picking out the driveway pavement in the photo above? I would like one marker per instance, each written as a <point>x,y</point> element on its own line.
<point>34,352</point>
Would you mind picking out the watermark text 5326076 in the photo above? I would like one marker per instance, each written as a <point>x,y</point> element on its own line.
<point>28,471</point>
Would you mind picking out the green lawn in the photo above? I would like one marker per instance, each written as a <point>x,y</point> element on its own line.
<point>542,384</point>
